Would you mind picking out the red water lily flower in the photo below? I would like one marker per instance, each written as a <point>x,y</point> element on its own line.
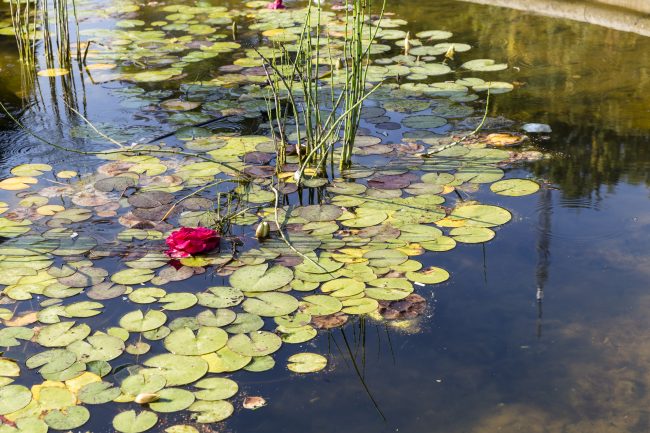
<point>188,241</point>
<point>277,4</point>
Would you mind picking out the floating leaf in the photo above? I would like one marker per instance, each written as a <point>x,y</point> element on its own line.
<point>62,334</point>
<point>67,419</point>
<point>136,321</point>
<point>184,342</point>
<point>30,169</point>
<point>178,369</point>
<point>481,215</point>
<point>484,65</point>
<point>53,72</point>
<point>132,276</point>
<point>430,275</point>
<point>259,278</point>
<point>472,235</point>
<point>216,388</point>
<point>515,187</point>
<point>13,398</point>
<point>306,362</point>
<point>255,344</point>
<point>320,305</point>
<point>172,400</point>
<point>211,411</point>
<point>132,422</point>
<point>98,393</point>
<point>270,304</point>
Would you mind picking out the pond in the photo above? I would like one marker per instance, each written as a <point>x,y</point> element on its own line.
<point>525,301</point>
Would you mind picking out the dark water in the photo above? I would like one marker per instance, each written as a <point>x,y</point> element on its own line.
<point>491,356</point>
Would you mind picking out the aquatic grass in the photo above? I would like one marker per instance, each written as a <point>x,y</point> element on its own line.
<point>357,60</point>
<point>329,112</point>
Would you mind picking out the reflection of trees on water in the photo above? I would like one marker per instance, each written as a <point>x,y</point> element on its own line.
<point>587,162</point>
<point>543,251</point>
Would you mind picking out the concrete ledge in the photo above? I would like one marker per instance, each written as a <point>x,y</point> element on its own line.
<point>617,18</point>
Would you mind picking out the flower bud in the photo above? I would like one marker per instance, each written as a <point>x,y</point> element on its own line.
<point>407,44</point>
<point>262,231</point>
<point>146,397</point>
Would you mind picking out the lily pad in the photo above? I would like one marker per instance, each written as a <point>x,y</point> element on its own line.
<point>68,418</point>
<point>258,343</point>
<point>515,187</point>
<point>207,339</point>
<point>261,278</point>
<point>13,398</point>
<point>270,304</point>
<point>136,321</point>
<point>306,362</point>
<point>132,422</point>
<point>178,369</point>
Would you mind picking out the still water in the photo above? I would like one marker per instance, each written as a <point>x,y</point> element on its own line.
<point>544,329</point>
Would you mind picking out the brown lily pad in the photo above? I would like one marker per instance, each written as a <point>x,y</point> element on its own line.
<point>150,199</point>
<point>330,321</point>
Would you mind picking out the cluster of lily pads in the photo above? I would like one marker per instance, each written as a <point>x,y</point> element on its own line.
<point>80,247</point>
<point>350,256</point>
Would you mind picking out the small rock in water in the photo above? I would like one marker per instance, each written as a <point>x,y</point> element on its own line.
<point>539,128</point>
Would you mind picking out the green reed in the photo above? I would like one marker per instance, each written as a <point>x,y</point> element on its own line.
<point>318,94</point>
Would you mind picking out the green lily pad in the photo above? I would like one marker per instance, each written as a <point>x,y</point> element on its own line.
<point>9,336</point>
<point>62,334</point>
<point>320,305</point>
<point>225,360</point>
<point>481,215</point>
<point>484,65</point>
<point>515,187</point>
<point>364,217</point>
<point>211,411</point>
<point>318,212</point>
<point>142,384</point>
<point>270,304</point>
<point>13,398</point>
<point>306,362</point>
<point>261,278</point>
<point>68,418</point>
<point>260,363</point>
<point>178,301</point>
<point>441,243</point>
<point>136,321</point>
<point>26,425</point>
<point>132,422</point>
<point>172,400</point>
<point>220,297</point>
<point>98,393</point>
<point>430,275</point>
<point>472,235</point>
<point>132,276</point>
<point>245,322</point>
<point>359,306</point>
<point>424,121</point>
<point>258,343</point>
<point>51,361</point>
<point>389,289</point>
<point>216,388</point>
<point>146,295</point>
<point>178,369</point>
<point>184,342</point>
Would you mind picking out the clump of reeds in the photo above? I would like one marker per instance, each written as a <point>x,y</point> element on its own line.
<point>318,94</point>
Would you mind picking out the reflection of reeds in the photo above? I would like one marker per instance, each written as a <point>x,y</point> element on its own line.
<point>49,22</point>
<point>24,23</point>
